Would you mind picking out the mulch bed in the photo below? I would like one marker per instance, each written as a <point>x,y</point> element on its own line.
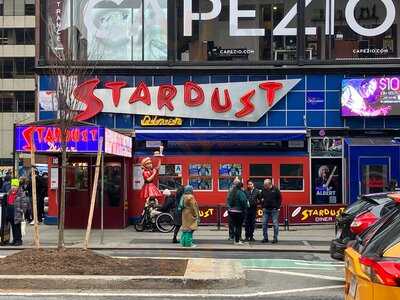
<point>86,262</point>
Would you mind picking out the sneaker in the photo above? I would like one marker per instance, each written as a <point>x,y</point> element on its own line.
<point>264,241</point>
<point>19,243</point>
<point>32,223</point>
<point>252,239</point>
<point>275,241</point>
<point>238,243</point>
<point>193,246</point>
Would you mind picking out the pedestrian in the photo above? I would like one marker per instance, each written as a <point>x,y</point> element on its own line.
<point>177,214</point>
<point>24,185</point>
<point>16,200</point>
<point>42,193</point>
<point>190,216</point>
<point>231,229</point>
<point>6,184</point>
<point>237,205</point>
<point>253,197</point>
<point>271,203</point>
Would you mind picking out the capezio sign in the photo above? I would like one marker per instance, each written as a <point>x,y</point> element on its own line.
<point>244,101</point>
<point>282,29</point>
<point>314,214</point>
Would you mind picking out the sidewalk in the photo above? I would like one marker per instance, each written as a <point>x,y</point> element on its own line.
<point>315,238</point>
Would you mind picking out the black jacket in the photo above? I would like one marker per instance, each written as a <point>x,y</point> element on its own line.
<point>272,198</point>
<point>253,197</point>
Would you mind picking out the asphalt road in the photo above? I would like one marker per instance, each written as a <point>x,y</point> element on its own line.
<point>271,275</point>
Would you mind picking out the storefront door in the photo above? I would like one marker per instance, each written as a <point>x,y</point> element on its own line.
<point>373,174</point>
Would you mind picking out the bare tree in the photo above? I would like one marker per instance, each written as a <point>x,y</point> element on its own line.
<point>67,70</point>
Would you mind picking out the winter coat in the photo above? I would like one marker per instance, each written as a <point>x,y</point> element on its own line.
<point>253,197</point>
<point>20,204</point>
<point>190,213</point>
<point>237,200</point>
<point>272,198</point>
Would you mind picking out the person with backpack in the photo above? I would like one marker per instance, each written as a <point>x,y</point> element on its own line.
<point>237,205</point>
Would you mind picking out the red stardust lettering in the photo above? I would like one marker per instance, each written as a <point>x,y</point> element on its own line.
<point>27,135</point>
<point>141,93</point>
<point>57,134</point>
<point>216,103</point>
<point>84,135</point>
<point>188,88</point>
<point>166,93</point>
<point>116,90</point>
<point>39,132</point>
<point>93,133</point>
<point>84,93</point>
<point>271,88</point>
<point>49,137</point>
<point>248,107</point>
<point>75,135</point>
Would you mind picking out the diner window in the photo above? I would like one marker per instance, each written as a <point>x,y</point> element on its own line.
<point>200,177</point>
<point>29,7</point>
<point>291,177</point>
<point>259,36</point>
<point>260,172</point>
<point>112,184</point>
<point>77,176</point>
<point>227,173</point>
<point>170,176</point>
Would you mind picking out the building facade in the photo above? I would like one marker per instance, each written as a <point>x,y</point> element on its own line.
<point>17,74</point>
<point>256,89</point>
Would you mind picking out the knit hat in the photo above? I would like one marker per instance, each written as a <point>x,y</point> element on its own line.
<point>15,182</point>
<point>188,189</point>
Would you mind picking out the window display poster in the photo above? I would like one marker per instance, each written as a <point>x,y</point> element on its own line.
<point>326,181</point>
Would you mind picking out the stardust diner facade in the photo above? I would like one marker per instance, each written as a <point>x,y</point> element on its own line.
<point>256,89</point>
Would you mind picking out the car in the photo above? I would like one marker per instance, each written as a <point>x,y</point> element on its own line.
<point>356,218</point>
<point>372,262</point>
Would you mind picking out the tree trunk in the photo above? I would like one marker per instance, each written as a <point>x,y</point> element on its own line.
<point>63,187</point>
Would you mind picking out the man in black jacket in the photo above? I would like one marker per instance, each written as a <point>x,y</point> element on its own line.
<point>271,203</point>
<point>253,196</point>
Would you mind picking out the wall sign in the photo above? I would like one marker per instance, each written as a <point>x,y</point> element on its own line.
<point>48,138</point>
<point>239,101</point>
<point>154,121</point>
<point>117,144</point>
<point>314,214</point>
<point>326,177</point>
<point>235,14</point>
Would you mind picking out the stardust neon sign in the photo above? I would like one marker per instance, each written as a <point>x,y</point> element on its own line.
<point>242,101</point>
<point>48,138</point>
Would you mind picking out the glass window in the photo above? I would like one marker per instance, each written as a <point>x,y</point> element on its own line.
<point>29,7</point>
<point>170,176</point>
<point>367,31</point>
<point>227,173</point>
<point>1,7</point>
<point>291,177</point>
<point>78,176</point>
<point>261,34</point>
<point>134,30</point>
<point>112,184</point>
<point>200,177</point>
<point>326,147</point>
<point>260,172</point>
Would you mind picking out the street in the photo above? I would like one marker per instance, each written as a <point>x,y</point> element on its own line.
<point>270,275</point>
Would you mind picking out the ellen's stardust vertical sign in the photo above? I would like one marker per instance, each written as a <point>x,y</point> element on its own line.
<point>48,138</point>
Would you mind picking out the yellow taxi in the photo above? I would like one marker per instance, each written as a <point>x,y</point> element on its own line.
<point>372,263</point>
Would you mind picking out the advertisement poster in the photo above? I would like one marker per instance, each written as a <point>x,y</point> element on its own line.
<point>371,97</point>
<point>314,214</point>
<point>126,30</point>
<point>326,181</point>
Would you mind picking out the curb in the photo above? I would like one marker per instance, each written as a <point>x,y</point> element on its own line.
<point>200,274</point>
<point>181,249</point>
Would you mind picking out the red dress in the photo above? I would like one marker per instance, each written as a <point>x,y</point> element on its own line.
<point>149,188</point>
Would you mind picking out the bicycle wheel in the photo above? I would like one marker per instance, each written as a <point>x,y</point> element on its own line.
<point>165,223</point>
<point>140,225</point>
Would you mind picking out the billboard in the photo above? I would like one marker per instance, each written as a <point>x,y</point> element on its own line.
<point>371,97</point>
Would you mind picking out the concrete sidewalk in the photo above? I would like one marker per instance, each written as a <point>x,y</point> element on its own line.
<point>313,238</point>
